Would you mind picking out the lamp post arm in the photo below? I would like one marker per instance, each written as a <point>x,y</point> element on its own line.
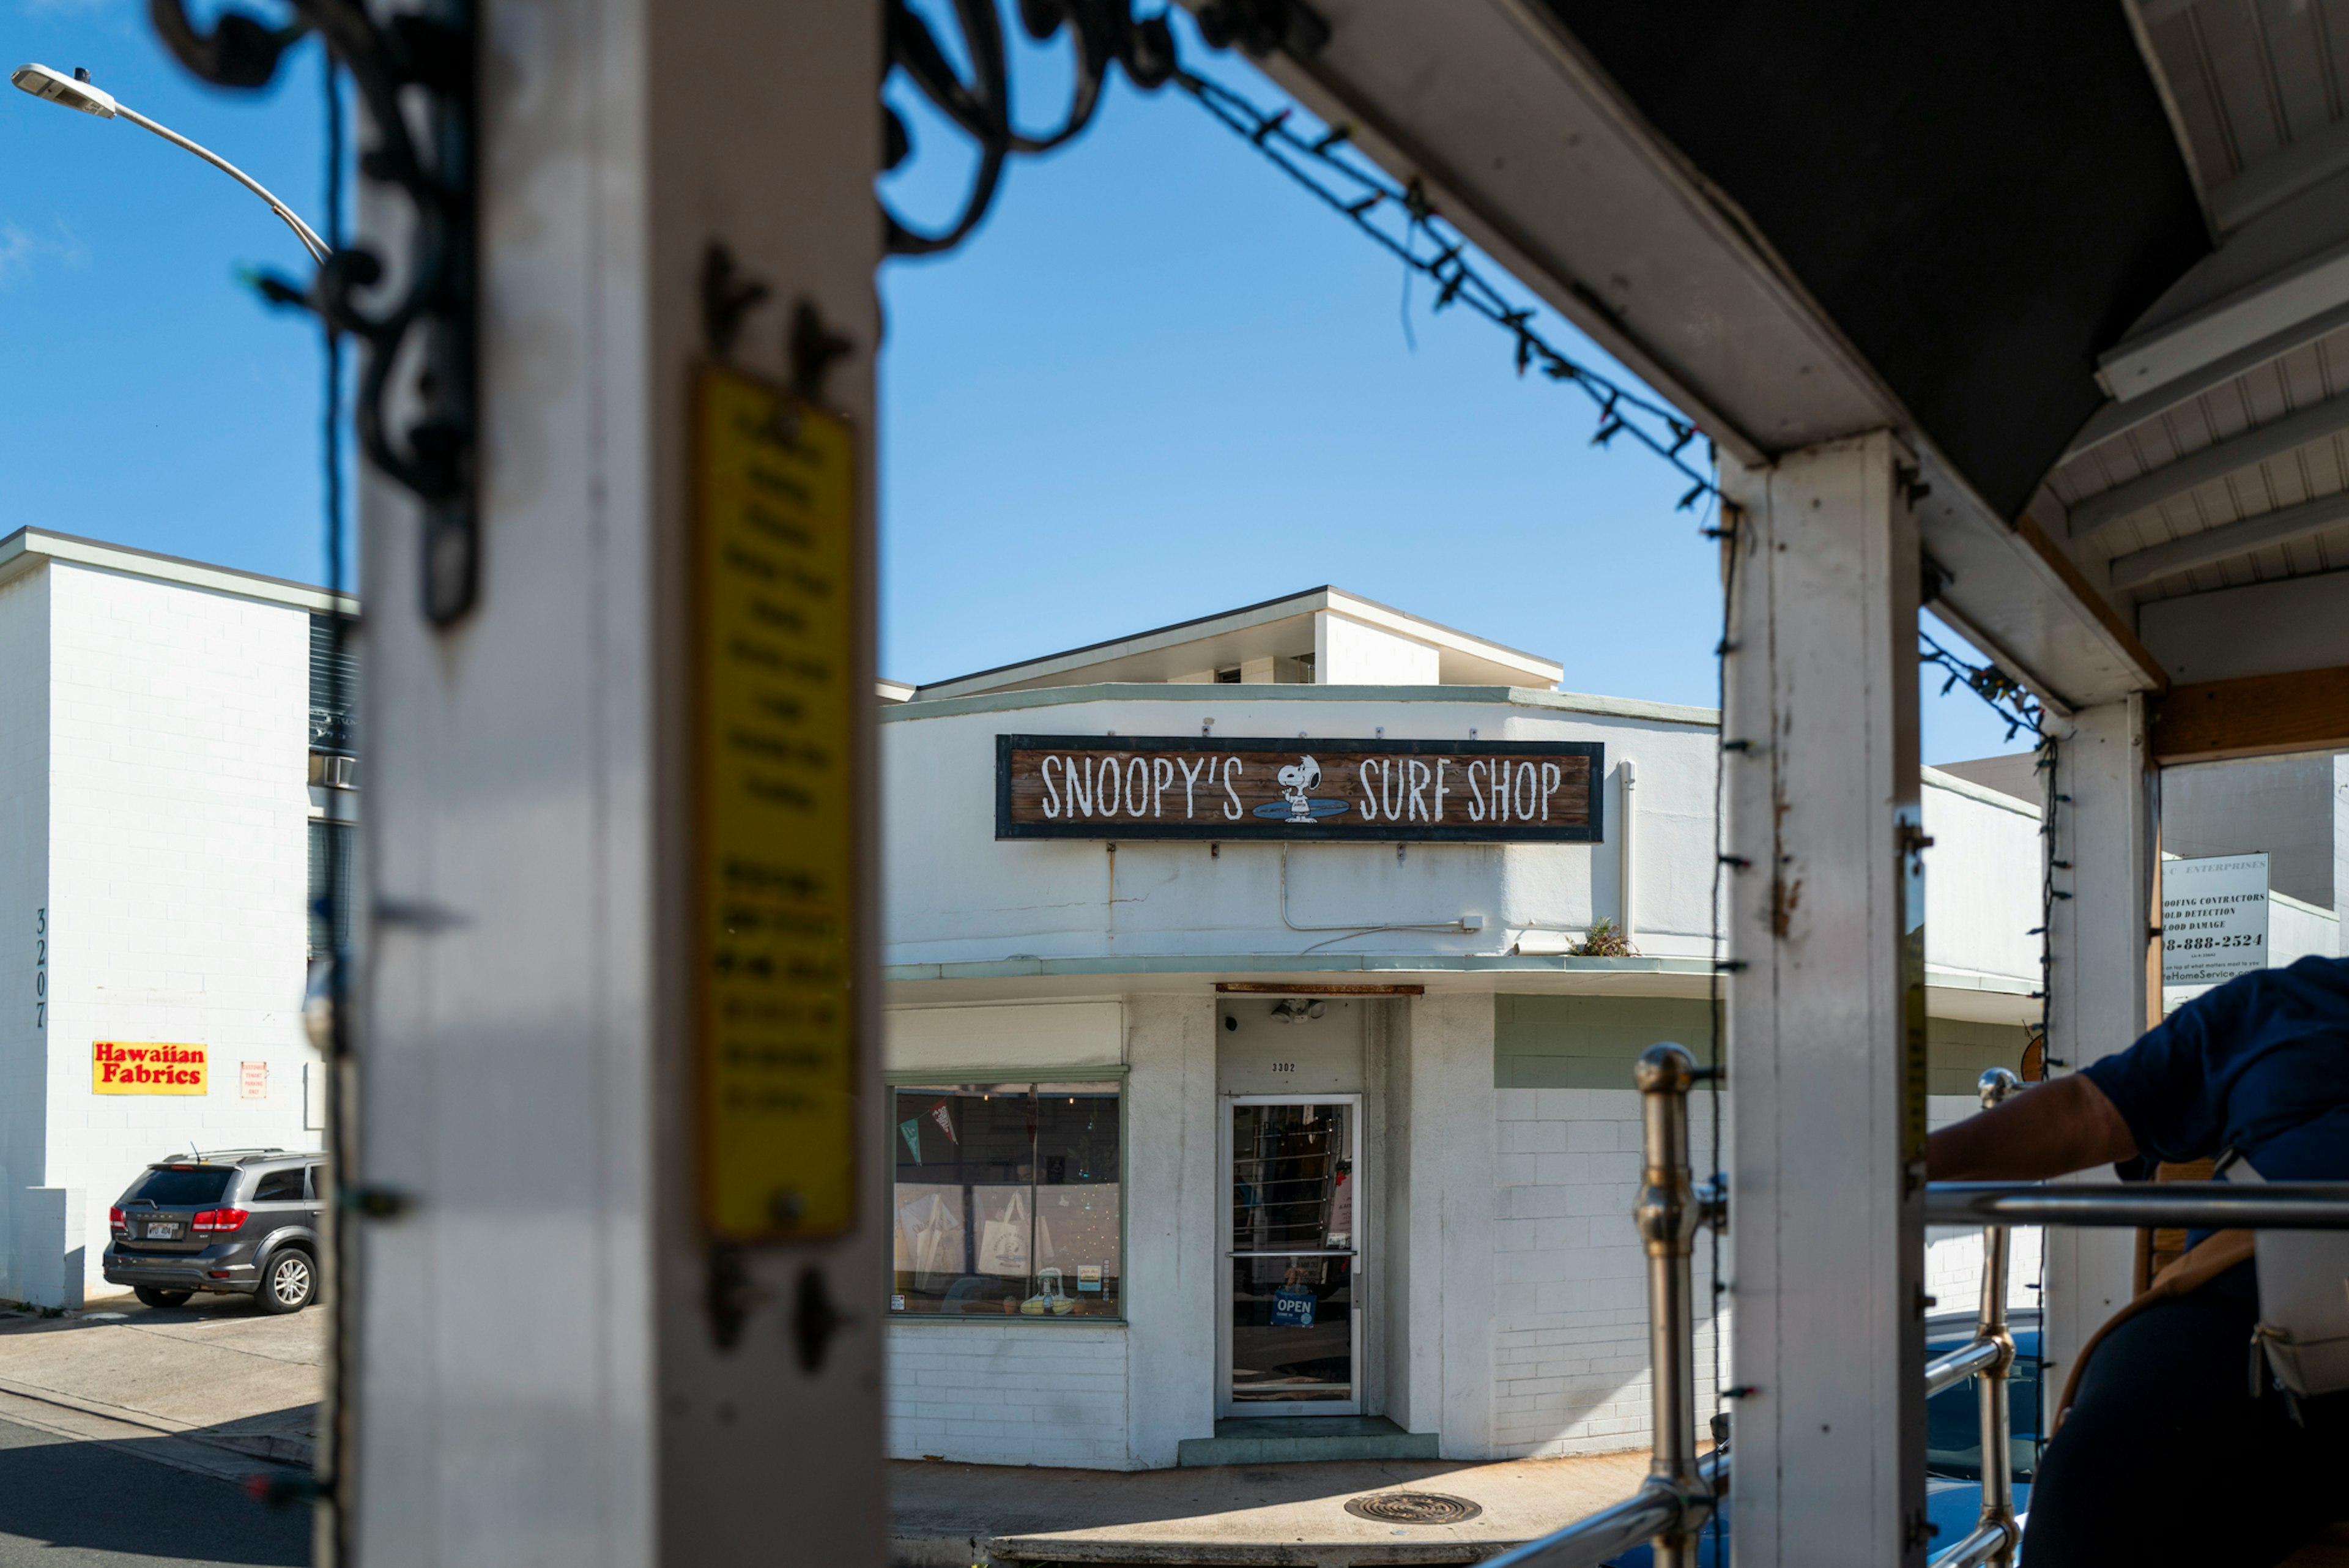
<point>310,241</point>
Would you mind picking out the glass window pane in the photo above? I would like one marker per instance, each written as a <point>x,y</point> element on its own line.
<point>279,1186</point>
<point>1292,1330</point>
<point>331,712</point>
<point>1292,1179</point>
<point>1078,1257</point>
<point>177,1188</point>
<point>1006,1201</point>
<point>337,840</point>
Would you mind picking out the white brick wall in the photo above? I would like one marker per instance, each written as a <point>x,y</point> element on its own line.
<point>1953,1256</point>
<point>1008,1394</point>
<point>1571,1305</point>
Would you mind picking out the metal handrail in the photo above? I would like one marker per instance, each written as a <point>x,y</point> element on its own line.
<point>1989,1543</point>
<point>1997,1206</point>
<point>1989,1359</point>
<point>1681,1491</point>
<point>1588,1542</point>
<point>2196,1205</point>
<point>1945,1371</point>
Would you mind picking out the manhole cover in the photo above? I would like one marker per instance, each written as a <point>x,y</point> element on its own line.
<point>1414,1507</point>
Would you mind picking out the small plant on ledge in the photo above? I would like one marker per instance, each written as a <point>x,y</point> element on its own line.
<point>1603,940</point>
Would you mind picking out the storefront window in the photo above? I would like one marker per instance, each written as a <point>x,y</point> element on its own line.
<point>1007,1200</point>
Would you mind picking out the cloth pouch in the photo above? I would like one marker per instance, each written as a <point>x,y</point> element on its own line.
<point>2304,1327</point>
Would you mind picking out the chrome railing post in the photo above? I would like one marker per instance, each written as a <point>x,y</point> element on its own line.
<point>1667,1216</point>
<point>1991,1383</point>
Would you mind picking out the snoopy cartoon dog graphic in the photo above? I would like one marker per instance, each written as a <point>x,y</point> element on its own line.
<point>1296,781</point>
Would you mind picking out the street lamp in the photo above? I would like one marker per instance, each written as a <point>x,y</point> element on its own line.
<point>76,91</point>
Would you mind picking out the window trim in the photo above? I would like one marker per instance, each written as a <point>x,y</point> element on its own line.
<point>893,1079</point>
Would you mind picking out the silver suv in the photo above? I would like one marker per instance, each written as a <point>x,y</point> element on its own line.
<point>241,1221</point>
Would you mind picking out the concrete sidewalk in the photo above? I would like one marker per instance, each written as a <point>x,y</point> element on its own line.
<point>217,1388</point>
<point>953,1516</point>
<point>214,1387</point>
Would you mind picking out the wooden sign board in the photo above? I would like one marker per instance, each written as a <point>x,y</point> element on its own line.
<point>775,702</point>
<point>1157,786</point>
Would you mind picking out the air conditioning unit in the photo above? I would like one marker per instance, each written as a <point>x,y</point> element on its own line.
<point>334,770</point>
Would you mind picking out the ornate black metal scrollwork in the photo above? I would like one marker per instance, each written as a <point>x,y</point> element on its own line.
<point>1104,33</point>
<point>425,329</point>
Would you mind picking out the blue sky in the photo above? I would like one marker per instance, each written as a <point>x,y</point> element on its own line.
<point>1158,382</point>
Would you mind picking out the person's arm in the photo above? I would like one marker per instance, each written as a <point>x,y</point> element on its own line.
<point>2056,1127</point>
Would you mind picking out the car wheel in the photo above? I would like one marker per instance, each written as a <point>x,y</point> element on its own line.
<point>288,1282</point>
<point>150,1296</point>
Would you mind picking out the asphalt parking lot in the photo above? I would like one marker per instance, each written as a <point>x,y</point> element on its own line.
<point>126,1433</point>
<point>68,1503</point>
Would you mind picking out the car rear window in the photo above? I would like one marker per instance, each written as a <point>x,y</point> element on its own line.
<point>165,1186</point>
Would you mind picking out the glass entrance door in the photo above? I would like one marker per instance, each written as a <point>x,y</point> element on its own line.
<point>1292,1258</point>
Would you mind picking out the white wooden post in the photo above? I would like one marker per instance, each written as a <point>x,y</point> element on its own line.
<point>2101,983</point>
<point>536,1378</point>
<point>1825,1042</point>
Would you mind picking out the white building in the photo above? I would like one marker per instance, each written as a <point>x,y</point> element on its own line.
<point>1120,1059</point>
<point>159,824</point>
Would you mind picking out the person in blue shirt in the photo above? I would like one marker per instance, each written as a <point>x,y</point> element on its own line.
<point>2172,1450</point>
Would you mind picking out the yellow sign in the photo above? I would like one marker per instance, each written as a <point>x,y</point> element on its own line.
<point>775,626</point>
<point>146,1067</point>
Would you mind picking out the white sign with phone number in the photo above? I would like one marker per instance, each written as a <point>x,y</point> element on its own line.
<point>2214,918</point>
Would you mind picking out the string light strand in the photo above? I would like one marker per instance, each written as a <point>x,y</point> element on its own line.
<point>1403,221</point>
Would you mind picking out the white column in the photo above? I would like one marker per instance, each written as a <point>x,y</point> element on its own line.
<point>2100,982</point>
<point>1826,1052</point>
<point>1449,1138</point>
<point>537,1380</point>
<point>1173,1215</point>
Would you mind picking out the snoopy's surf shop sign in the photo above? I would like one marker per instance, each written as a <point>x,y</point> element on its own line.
<point>1157,786</point>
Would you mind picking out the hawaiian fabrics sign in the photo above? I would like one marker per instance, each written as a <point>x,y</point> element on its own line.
<point>1146,786</point>
<point>146,1067</point>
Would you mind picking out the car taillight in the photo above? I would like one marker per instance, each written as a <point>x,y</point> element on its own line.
<point>114,1218</point>
<point>217,1221</point>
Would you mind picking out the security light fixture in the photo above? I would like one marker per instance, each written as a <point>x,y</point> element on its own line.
<point>76,91</point>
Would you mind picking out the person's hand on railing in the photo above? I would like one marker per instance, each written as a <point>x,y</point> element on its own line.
<point>2060,1127</point>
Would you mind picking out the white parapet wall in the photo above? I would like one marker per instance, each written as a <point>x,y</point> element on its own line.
<point>956,894</point>
<point>2299,930</point>
<point>1982,898</point>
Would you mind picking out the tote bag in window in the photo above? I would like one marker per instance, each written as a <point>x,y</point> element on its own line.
<point>930,1236</point>
<point>1003,1243</point>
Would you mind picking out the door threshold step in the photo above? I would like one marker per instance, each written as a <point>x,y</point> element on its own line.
<point>1301,1439</point>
